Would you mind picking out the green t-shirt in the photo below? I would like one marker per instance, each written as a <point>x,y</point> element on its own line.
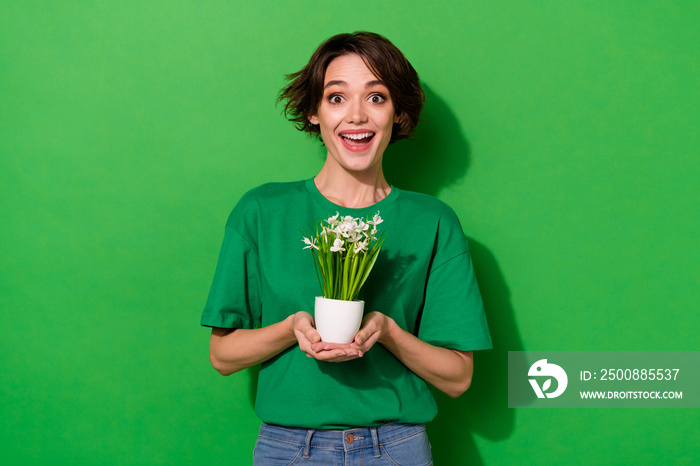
<point>423,279</point>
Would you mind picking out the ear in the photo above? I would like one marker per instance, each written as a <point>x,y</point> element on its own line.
<point>398,118</point>
<point>313,119</point>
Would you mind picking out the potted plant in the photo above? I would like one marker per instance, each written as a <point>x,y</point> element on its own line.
<point>344,251</point>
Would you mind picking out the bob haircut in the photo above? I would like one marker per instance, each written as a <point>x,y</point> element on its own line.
<point>304,92</point>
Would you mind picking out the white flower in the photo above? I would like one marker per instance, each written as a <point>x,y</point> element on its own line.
<point>354,240</point>
<point>310,243</point>
<point>376,220</point>
<point>338,245</point>
<point>334,219</point>
<point>361,246</point>
<point>352,234</point>
<point>346,226</point>
<point>340,230</point>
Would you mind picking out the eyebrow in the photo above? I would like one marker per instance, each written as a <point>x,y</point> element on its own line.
<point>345,84</point>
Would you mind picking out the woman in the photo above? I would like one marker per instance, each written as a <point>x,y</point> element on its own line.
<point>363,402</point>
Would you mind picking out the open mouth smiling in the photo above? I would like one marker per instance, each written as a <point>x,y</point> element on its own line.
<point>357,139</point>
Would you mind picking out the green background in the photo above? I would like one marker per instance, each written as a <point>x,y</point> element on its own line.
<point>563,133</point>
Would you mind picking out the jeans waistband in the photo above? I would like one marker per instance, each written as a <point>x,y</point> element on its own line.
<point>349,439</point>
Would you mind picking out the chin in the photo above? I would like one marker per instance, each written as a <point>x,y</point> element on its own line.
<point>359,166</point>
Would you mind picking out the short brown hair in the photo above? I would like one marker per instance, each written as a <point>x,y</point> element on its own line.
<point>304,92</point>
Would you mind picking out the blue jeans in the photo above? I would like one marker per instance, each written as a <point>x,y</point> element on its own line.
<point>390,444</point>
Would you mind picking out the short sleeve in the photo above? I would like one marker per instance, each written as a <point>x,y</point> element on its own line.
<point>234,297</point>
<point>453,312</point>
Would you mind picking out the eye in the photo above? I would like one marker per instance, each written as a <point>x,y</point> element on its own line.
<point>377,98</point>
<point>336,99</point>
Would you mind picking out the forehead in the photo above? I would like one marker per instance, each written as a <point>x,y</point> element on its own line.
<point>350,69</point>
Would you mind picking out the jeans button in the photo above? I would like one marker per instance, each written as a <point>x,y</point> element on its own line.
<point>349,438</point>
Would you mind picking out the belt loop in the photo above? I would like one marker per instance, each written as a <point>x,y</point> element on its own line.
<point>307,443</point>
<point>375,442</point>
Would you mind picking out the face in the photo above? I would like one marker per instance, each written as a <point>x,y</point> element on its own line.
<point>355,116</point>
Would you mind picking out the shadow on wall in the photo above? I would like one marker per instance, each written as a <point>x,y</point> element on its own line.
<point>437,158</point>
<point>483,410</point>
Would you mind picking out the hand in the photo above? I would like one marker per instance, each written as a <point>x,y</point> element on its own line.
<point>375,326</point>
<point>310,341</point>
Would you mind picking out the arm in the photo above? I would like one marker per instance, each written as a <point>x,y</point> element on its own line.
<point>232,350</point>
<point>448,370</point>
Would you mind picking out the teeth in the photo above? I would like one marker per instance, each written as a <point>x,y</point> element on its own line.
<point>357,136</point>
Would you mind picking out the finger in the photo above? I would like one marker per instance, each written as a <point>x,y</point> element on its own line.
<point>306,349</point>
<point>302,340</point>
<point>364,335</point>
<point>369,342</point>
<point>325,346</point>
<point>331,356</point>
<point>305,331</point>
<point>312,335</point>
<point>368,329</point>
<point>304,343</point>
<point>336,355</point>
<point>350,351</point>
<point>341,359</point>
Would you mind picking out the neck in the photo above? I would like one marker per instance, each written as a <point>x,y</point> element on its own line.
<point>352,189</point>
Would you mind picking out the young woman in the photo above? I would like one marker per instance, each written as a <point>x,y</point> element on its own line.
<point>363,402</point>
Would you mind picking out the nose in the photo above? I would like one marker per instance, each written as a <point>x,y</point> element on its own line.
<point>356,112</point>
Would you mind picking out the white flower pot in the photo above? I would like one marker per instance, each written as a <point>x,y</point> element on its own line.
<point>338,321</point>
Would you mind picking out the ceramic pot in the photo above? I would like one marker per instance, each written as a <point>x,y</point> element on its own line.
<point>338,321</point>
